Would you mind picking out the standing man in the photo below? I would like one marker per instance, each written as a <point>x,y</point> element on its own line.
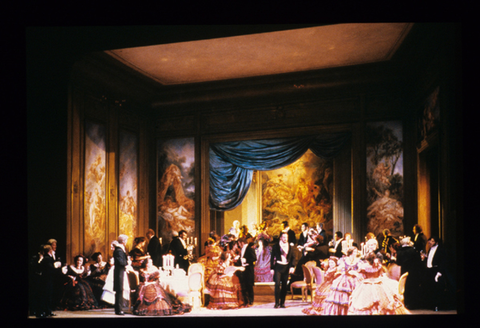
<point>178,246</point>
<point>48,272</point>
<point>281,265</point>
<point>154,248</point>
<point>409,261</point>
<point>247,277</point>
<point>434,283</point>
<point>420,240</point>
<point>292,238</point>
<point>302,239</point>
<point>120,262</point>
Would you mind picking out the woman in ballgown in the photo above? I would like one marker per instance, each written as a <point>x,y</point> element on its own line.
<point>376,293</point>
<point>78,294</point>
<point>263,252</point>
<point>322,291</point>
<point>152,299</point>
<point>98,275</point>
<point>223,285</point>
<point>138,253</point>
<point>337,301</point>
<point>212,255</point>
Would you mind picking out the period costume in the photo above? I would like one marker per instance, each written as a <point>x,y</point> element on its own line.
<point>282,259</point>
<point>375,294</point>
<point>78,294</point>
<point>342,287</point>
<point>247,276</point>
<point>121,261</point>
<point>97,278</point>
<point>153,300</point>
<point>224,286</point>
<point>321,293</point>
<point>178,248</point>
<point>154,249</point>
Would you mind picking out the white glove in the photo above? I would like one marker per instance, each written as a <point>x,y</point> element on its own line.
<point>438,275</point>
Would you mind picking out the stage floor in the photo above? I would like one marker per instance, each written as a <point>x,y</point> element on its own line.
<point>258,309</point>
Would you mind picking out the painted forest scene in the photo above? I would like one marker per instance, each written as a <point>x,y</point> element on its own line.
<point>385,177</point>
<point>176,187</point>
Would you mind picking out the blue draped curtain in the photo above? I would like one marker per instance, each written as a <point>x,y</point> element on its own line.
<point>232,163</point>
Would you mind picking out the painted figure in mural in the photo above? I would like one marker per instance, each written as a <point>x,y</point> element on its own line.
<point>176,216</point>
<point>96,209</point>
<point>128,205</point>
<point>382,173</point>
<point>97,171</point>
<point>385,213</point>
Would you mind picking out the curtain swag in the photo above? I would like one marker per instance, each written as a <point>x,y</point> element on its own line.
<point>232,163</point>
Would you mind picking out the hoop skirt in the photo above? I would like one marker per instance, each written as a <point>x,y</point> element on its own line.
<point>78,294</point>
<point>376,294</point>
<point>224,290</point>
<point>153,300</point>
<point>321,294</point>
<point>338,299</point>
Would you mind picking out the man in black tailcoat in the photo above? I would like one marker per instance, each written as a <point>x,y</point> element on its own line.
<point>281,265</point>
<point>154,248</point>
<point>178,247</point>
<point>409,261</point>
<point>246,260</point>
<point>121,261</point>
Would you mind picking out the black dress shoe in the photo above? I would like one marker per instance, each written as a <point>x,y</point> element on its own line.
<point>276,306</point>
<point>282,306</point>
<point>51,315</point>
<point>120,313</point>
<point>41,315</point>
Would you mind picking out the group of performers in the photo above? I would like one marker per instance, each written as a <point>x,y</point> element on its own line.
<point>355,281</point>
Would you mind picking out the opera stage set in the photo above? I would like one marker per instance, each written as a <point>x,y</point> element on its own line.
<point>356,126</point>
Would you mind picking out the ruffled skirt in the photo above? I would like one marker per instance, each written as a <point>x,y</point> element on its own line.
<point>376,297</point>
<point>338,299</point>
<point>318,304</point>
<point>154,301</point>
<point>224,291</point>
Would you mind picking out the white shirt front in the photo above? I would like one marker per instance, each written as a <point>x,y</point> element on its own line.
<point>431,254</point>
<point>284,247</point>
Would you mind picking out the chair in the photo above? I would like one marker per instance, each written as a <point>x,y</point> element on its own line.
<point>134,282</point>
<point>310,285</point>
<point>194,294</point>
<point>401,285</point>
<point>301,284</point>
<point>319,275</point>
<point>196,267</point>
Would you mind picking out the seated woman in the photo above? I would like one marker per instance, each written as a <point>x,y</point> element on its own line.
<point>338,299</point>
<point>330,268</point>
<point>98,275</point>
<point>138,253</point>
<point>376,294</point>
<point>223,285</point>
<point>152,299</point>
<point>78,294</point>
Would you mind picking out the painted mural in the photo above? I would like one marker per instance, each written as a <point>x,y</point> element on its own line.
<point>176,187</point>
<point>430,117</point>
<point>300,192</point>
<point>385,177</point>
<point>128,176</point>
<point>95,186</point>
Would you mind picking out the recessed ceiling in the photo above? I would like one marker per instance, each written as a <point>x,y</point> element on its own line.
<point>263,54</point>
